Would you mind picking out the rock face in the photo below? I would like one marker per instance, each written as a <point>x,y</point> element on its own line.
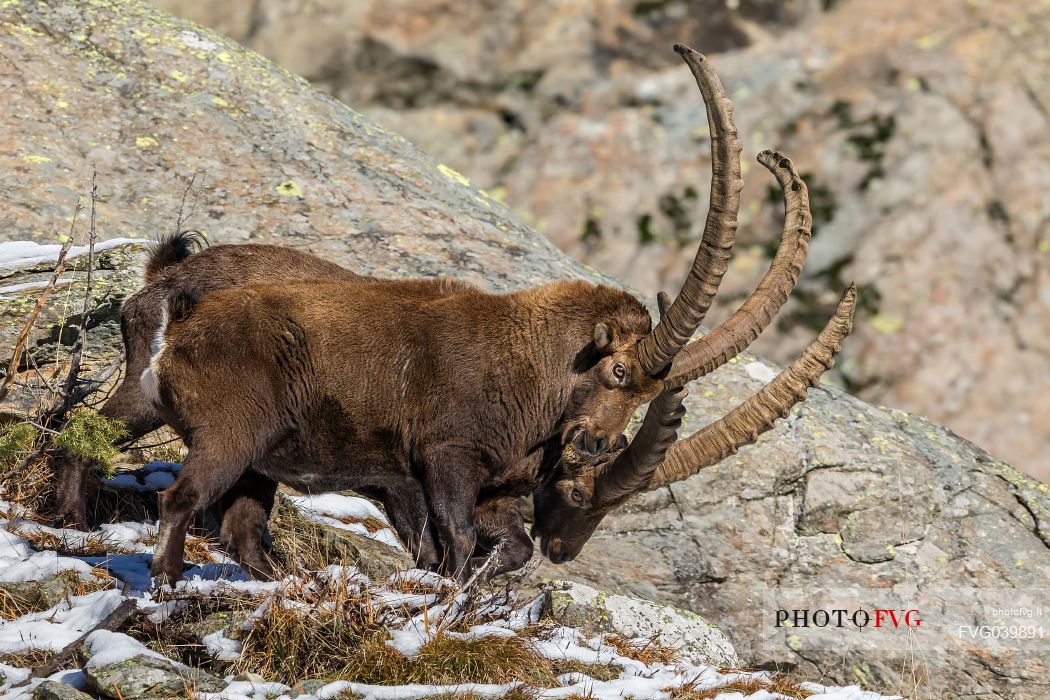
<point>594,612</point>
<point>53,690</point>
<point>922,129</point>
<point>840,494</point>
<point>149,678</point>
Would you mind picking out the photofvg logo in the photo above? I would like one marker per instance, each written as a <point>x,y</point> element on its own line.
<point>904,619</point>
<point>841,617</point>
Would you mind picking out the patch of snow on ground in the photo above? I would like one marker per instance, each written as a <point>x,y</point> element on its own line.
<point>434,606</point>
<point>60,625</point>
<point>18,255</point>
<point>336,509</point>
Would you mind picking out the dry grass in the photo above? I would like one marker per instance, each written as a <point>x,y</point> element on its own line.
<point>744,686</point>
<point>198,549</point>
<point>19,600</point>
<point>330,633</point>
<point>599,672</point>
<point>30,658</point>
<point>180,635</point>
<point>517,693</point>
<point>31,484</point>
<point>648,652</point>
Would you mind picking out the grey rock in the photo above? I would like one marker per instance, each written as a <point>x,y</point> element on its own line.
<point>908,135</point>
<point>307,687</point>
<point>53,690</point>
<point>37,596</point>
<point>841,493</point>
<point>594,612</point>
<point>149,678</point>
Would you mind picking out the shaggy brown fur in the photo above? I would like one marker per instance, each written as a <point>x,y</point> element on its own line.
<point>381,385</point>
<point>173,269</point>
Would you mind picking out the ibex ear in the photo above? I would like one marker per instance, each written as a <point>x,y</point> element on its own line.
<point>603,338</point>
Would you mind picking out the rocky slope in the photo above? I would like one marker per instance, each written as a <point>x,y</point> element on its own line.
<point>921,127</point>
<point>842,495</point>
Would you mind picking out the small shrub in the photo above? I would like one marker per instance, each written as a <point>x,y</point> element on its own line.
<point>91,435</point>
<point>28,482</point>
<point>16,440</point>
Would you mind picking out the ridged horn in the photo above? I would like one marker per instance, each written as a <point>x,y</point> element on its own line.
<point>685,314</point>
<point>746,422</point>
<point>729,338</point>
<point>632,469</point>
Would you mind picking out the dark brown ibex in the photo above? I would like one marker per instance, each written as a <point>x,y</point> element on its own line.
<point>173,269</point>
<point>343,385</point>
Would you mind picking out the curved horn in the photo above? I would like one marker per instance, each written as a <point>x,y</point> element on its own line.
<point>632,469</point>
<point>675,329</point>
<point>746,422</point>
<point>725,341</point>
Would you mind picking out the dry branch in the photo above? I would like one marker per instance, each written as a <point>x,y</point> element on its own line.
<point>23,337</point>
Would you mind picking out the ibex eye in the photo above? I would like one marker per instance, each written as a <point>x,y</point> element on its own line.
<point>619,371</point>
<point>577,497</point>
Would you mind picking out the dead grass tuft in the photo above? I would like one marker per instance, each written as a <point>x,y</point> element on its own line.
<point>516,693</point>
<point>599,672</point>
<point>30,658</point>
<point>181,633</point>
<point>29,483</point>
<point>650,651</point>
<point>744,686</point>
<point>332,633</point>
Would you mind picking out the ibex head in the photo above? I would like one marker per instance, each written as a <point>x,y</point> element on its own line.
<point>582,489</point>
<point>610,381</point>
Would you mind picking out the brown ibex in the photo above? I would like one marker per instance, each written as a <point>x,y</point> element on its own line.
<point>331,385</point>
<point>173,269</point>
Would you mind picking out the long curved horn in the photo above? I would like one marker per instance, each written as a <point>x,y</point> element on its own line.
<point>632,469</point>
<point>746,422</point>
<point>726,340</point>
<point>687,311</point>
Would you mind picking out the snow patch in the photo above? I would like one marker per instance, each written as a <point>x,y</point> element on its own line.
<point>18,255</point>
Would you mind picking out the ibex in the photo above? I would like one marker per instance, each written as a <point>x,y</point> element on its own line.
<point>173,269</point>
<point>333,385</point>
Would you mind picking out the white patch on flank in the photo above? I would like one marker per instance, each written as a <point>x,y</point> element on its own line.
<point>149,381</point>
<point>759,371</point>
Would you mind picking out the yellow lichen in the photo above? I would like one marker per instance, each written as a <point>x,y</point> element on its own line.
<point>452,174</point>
<point>145,142</point>
<point>36,160</point>
<point>289,189</point>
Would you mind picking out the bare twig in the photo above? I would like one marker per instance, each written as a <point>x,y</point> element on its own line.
<point>110,623</point>
<point>41,300</point>
<point>71,394</point>
<point>180,220</point>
